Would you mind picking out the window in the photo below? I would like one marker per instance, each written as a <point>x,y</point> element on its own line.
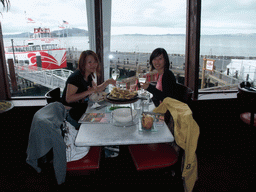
<point>67,22</point>
<point>140,26</point>
<point>227,38</point>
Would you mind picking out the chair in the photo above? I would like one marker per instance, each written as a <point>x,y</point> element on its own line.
<point>53,95</point>
<point>184,93</point>
<point>87,165</point>
<point>153,156</point>
<point>146,157</point>
<point>247,99</point>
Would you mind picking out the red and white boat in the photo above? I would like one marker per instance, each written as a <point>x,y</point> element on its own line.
<point>42,44</point>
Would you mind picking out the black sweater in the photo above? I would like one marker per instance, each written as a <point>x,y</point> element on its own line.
<point>168,85</point>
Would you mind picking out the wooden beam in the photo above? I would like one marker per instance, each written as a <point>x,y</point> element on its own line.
<point>4,84</point>
<point>99,37</point>
<point>192,45</point>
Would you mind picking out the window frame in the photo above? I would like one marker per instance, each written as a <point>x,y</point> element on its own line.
<point>192,52</point>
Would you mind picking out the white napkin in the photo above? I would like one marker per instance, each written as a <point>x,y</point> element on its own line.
<point>95,105</point>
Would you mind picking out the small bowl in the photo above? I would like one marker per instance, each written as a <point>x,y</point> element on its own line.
<point>123,115</point>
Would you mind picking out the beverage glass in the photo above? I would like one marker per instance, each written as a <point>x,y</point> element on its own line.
<point>115,73</point>
<point>142,79</point>
<point>145,106</point>
<point>137,106</point>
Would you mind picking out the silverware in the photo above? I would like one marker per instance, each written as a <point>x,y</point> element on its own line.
<point>100,107</point>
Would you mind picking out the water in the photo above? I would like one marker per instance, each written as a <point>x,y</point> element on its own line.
<point>236,45</point>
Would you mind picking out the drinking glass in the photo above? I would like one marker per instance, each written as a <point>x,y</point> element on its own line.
<point>142,79</point>
<point>115,73</point>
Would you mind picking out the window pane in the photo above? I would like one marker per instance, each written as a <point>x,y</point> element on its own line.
<point>140,26</point>
<point>228,37</point>
<point>48,37</point>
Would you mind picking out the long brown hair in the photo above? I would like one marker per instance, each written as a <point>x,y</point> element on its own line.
<point>82,62</point>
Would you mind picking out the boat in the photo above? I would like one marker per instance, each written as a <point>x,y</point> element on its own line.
<point>40,51</point>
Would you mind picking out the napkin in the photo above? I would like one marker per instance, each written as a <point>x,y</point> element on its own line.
<point>95,105</point>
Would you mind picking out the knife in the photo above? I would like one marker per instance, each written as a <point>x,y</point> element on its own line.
<point>100,107</point>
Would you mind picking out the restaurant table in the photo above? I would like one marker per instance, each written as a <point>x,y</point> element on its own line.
<point>105,134</point>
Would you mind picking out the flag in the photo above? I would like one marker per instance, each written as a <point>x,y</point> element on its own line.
<point>62,27</point>
<point>29,20</point>
<point>65,22</point>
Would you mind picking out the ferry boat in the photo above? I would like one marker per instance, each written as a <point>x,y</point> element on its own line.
<point>42,44</point>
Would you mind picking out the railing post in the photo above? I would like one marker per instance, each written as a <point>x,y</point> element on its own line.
<point>12,75</point>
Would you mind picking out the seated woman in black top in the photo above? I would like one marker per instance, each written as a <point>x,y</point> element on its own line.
<point>166,83</point>
<point>80,85</point>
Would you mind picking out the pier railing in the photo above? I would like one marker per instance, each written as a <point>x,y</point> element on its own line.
<point>48,78</point>
<point>128,62</point>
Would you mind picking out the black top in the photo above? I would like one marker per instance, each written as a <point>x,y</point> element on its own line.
<point>168,85</point>
<point>79,107</point>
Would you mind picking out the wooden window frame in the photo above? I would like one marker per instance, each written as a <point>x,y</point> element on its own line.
<point>193,23</point>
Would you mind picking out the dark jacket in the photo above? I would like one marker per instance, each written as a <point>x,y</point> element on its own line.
<point>168,85</point>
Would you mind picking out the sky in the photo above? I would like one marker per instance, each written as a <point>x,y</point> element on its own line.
<point>133,16</point>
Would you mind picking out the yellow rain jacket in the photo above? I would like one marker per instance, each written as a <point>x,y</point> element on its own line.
<point>186,133</point>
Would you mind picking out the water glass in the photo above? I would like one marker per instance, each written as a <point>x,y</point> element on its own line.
<point>145,106</point>
<point>137,106</point>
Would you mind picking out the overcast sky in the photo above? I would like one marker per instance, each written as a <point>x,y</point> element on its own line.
<point>133,16</point>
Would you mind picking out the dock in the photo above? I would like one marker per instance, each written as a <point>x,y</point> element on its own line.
<point>127,63</point>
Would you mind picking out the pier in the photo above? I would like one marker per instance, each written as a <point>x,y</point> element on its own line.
<point>127,63</point>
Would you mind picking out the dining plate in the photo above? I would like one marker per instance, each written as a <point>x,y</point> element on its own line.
<point>145,94</point>
<point>121,100</point>
<point>98,97</point>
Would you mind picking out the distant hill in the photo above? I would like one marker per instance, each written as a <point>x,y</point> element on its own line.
<point>70,32</point>
<point>56,33</point>
<point>21,35</point>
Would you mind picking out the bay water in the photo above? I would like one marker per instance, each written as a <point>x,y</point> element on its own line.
<point>219,45</point>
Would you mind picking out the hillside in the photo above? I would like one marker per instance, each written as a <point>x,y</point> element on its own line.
<point>56,33</point>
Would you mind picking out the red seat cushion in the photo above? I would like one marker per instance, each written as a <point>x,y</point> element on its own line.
<point>153,156</point>
<point>90,162</point>
<point>246,117</point>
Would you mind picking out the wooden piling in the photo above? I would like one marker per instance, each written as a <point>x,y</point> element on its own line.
<point>12,75</point>
<point>203,73</point>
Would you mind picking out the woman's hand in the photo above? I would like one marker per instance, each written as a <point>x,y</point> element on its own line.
<point>145,85</point>
<point>72,96</point>
<point>111,81</point>
<point>91,90</point>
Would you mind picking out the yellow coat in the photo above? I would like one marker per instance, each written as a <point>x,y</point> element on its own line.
<point>186,133</point>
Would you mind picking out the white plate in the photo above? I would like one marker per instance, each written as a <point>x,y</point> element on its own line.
<point>97,97</point>
<point>144,95</point>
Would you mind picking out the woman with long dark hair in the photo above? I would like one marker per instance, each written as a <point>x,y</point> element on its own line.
<point>166,83</point>
<point>80,85</point>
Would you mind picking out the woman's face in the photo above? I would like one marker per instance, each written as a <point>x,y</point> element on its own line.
<point>159,62</point>
<point>90,64</point>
